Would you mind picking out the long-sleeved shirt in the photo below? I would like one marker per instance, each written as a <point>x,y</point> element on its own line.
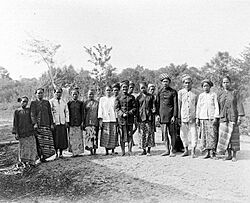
<point>106,109</point>
<point>207,106</point>
<point>60,111</point>
<point>22,124</point>
<point>41,113</point>
<point>167,104</point>
<point>187,101</point>
<point>230,106</point>
<point>145,105</point>
<point>76,112</point>
<point>125,104</point>
<point>91,113</point>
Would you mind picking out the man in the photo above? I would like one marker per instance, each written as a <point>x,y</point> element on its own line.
<point>167,109</point>
<point>125,106</point>
<point>187,100</point>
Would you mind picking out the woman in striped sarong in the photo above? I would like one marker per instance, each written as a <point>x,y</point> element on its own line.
<point>24,132</point>
<point>230,112</point>
<point>42,120</point>
<point>107,119</point>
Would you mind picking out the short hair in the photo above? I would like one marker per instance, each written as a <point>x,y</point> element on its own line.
<point>116,85</point>
<point>58,89</point>
<point>40,88</point>
<point>23,97</point>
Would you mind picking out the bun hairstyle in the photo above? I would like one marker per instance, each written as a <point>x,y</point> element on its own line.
<point>19,99</point>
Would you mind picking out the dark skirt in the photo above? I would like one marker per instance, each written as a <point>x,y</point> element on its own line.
<point>27,149</point>
<point>60,137</point>
<point>208,134</point>
<point>126,133</point>
<point>109,135</point>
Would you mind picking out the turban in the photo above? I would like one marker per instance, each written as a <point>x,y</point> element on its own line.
<point>186,77</point>
<point>209,82</point>
<point>164,76</point>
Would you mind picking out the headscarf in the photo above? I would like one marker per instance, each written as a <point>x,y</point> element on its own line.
<point>209,82</point>
<point>165,76</point>
<point>186,77</point>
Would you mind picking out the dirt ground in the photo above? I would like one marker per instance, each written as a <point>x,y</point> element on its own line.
<point>132,179</point>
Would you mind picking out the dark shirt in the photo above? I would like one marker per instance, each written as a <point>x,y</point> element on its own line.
<point>91,113</point>
<point>41,113</point>
<point>167,104</point>
<point>75,112</point>
<point>22,124</point>
<point>125,104</point>
<point>230,106</point>
<point>145,105</point>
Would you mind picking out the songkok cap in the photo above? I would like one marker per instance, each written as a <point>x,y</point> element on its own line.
<point>125,82</point>
<point>164,76</point>
<point>186,77</point>
<point>209,82</point>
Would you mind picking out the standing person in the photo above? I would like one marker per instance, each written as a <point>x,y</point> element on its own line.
<point>91,122</point>
<point>125,107</point>
<point>24,132</point>
<point>76,146</point>
<point>131,88</point>
<point>187,100</point>
<point>60,114</point>
<point>167,109</point>
<point>107,120</point>
<point>42,120</point>
<point>206,111</point>
<point>231,112</point>
<point>145,108</point>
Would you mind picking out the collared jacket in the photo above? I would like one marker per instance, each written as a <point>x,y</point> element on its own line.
<point>106,109</point>
<point>41,113</point>
<point>60,111</point>
<point>187,101</point>
<point>76,112</point>
<point>125,104</point>
<point>230,106</point>
<point>145,106</point>
<point>167,104</point>
<point>207,106</point>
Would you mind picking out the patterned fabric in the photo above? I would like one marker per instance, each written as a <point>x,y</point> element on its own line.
<point>45,142</point>
<point>91,137</point>
<point>147,139</point>
<point>188,134</point>
<point>60,137</point>
<point>225,133</point>
<point>27,149</point>
<point>208,134</point>
<point>164,76</point>
<point>234,143</point>
<point>108,135</point>
<point>76,145</point>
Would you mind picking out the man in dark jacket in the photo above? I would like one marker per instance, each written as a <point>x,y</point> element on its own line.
<point>167,109</point>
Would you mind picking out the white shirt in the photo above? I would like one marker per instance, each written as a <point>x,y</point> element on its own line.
<point>60,111</point>
<point>106,109</point>
<point>207,106</point>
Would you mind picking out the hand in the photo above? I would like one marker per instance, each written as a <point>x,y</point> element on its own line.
<point>158,118</point>
<point>172,119</point>
<point>100,123</point>
<point>16,136</point>
<point>67,124</point>
<point>52,127</point>
<point>35,126</point>
<point>179,121</point>
<point>124,114</point>
<point>198,123</point>
<point>233,123</point>
<point>239,121</point>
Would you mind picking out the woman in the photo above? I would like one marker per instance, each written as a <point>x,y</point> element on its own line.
<point>145,107</point>
<point>60,114</point>
<point>107,118</point>
<point>75,107</point>
<point>91,123</point>
<point>206,111</point>
<point>42,119</point>
<point>24,132</point>
<point>230,113</point>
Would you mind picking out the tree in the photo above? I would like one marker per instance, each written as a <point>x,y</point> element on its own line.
<point>4,74</point>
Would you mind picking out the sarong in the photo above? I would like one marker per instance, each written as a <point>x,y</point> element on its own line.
<point>146,131</point>
<point>76,145</point>
<point>45,142</point>
<point>27,149</point>
<point>225,133</point>
<point>91,137</point>
<point>108,135</point>
<point>126,133</point>
<point>234,143</point>
<point>208,134</point>
<point>60,137</point>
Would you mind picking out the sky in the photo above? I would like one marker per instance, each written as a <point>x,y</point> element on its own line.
<point>152,33</point>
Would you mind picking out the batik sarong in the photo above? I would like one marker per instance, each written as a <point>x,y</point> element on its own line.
<point>91,137</point>
<point>208,134</point>
<point>146,131</point>
<point>76,143</point>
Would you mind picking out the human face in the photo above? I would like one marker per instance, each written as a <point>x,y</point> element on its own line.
<point>143,88</point>
<point>108,91</point>
<point>151,90</point>
<point>91,95</point>
<point>187,84</point>
<point>116,91</point>
<point>165,82</point>
<point>75,95</point>
<point>124,89</point>
<point>24,102</point>
<point>206,87</point>
<point>39,94</point>
<point>131,89</point>
<point>226,83</point>
<point>58,94</point>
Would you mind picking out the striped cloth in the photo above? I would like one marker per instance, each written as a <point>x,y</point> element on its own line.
<point>45,143</point>
<point>225,133</point>
<point>234,143</point>
<point>109,136</point>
